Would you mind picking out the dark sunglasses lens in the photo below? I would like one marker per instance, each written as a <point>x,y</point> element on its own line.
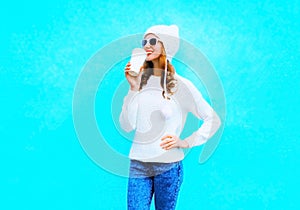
<point>152,41</point>
<point>144,42</point>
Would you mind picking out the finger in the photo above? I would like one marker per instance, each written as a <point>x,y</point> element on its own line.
<point>141,69</point>
<point>127,66</point>
<point>167,144</point>
<point>166,141</point>
<point>127,74</point>
<point>166,137</point>
<point>170,145</point>
<point>141,72</point>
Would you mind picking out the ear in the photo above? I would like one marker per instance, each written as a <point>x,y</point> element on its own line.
<point>163,51</point>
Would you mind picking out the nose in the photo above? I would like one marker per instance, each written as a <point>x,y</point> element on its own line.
<point>147,45</point>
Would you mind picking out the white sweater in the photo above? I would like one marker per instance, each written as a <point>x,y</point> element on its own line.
<point>152,117</point>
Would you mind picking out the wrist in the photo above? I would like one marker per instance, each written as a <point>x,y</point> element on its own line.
<point>184,144</point>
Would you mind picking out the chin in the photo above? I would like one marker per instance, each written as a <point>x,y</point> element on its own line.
<point>151,58</point>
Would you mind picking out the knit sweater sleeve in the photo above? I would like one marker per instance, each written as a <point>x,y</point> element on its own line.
<point>194,102</point>
<point>128,114</point>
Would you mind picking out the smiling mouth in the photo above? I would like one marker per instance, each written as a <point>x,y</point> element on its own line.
<point>149,53</point>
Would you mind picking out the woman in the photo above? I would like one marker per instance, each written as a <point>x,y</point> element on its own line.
<point>156,107</point>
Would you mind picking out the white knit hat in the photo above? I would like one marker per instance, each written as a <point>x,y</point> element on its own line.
<point>168,35</point>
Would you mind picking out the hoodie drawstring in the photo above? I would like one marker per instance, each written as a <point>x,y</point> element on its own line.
<point>166,95</point>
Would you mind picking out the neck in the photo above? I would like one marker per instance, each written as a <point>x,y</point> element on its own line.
<point>156,69</point>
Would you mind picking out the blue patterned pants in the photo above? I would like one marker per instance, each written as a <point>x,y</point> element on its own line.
<point>163,180</point>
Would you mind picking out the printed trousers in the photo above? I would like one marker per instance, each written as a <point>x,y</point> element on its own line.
<point>148,179</point>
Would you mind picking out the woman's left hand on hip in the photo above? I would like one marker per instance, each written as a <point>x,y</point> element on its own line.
<point>172,141</point>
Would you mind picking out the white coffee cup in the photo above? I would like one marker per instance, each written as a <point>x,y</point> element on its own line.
<point>137,59</point>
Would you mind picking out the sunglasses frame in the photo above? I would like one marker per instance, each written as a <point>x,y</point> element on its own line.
<point>148,41</point>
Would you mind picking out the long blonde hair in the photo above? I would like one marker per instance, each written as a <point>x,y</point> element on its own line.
<point>171,82</point>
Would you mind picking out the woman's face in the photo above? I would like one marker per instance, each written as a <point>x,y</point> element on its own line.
<point>152,51</point>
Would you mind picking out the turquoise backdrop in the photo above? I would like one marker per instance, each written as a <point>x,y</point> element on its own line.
<point>255,49</point>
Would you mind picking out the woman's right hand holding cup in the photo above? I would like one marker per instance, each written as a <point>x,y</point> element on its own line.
<point>134,81</point>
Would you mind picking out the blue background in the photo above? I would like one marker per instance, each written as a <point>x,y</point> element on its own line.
<point>254,47</point>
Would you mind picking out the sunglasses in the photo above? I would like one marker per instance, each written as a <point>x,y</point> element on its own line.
<point>151,41</point>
